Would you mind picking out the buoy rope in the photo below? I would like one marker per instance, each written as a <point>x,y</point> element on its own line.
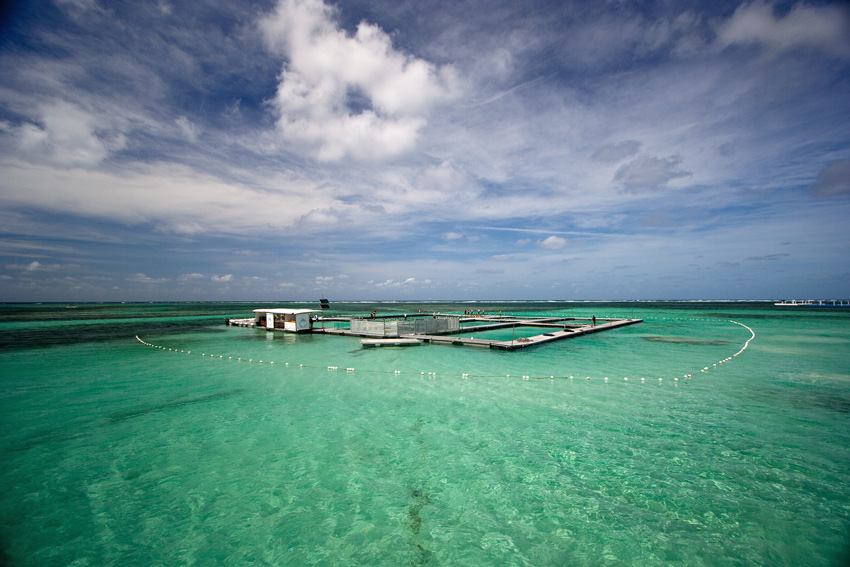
<point>463,375</point>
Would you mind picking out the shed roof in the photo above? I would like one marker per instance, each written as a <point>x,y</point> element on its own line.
<point>283,311</point>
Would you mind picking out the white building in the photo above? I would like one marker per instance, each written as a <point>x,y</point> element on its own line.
<point>291,320</point>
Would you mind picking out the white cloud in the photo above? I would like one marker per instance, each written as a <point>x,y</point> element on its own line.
<point>189,277</point>
<point>833,180</point>
<point>349,95</point>
<point>36,266</point>
<point>68,136</point>
<point>220,279</point>
<point>649,173</point>
<point>552,243</point>
<point>173,197</point>
<point>33,266</point>
<point>328,279</point>
<point>393,283</point>
<point>78,8</point>
<point>612,153</point>
<point>452,236</point>
<point>188,128</point>
<point>143,279</point>
<point>821,27</point>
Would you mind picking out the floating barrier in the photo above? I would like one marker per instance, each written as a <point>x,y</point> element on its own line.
<point>467,375</point>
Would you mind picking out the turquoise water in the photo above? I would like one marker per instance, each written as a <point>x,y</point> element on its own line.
<point>116,452</point>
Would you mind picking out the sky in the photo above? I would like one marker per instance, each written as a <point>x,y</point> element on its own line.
<point>287,150</point>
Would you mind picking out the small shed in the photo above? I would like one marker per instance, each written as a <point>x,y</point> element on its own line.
<point>291,320</point>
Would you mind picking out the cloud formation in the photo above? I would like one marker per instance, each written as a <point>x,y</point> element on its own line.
<point>805,26</point>
<point>552,243</point>
<point>833,180</point>
<point>266,149</point>
<point>67,136</point>
<point>349,95</point>
<point>144,279</point>
<point>612,153</point>
<point>649,173</point>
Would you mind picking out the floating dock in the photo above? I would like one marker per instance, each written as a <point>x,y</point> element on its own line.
<point>556,332</point>
<point>552,329</point>
<point>390,342</point>
<point>395,330</point>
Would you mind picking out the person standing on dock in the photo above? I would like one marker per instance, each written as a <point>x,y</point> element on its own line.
<point>594,320</point>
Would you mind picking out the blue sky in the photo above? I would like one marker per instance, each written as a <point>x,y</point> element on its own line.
<point>295,149</point>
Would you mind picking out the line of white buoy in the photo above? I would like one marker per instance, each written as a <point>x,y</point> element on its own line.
<point>467,375</point>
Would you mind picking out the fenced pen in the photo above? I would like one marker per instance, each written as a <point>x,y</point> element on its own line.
<point>398,328</point>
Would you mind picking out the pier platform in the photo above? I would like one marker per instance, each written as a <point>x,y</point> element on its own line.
<point>390,342</point>
<point>557,332</point>
<point>552,329</point>
<point>451,328</point>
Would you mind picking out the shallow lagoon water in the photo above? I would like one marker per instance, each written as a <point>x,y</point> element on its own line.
<point>119,453</point>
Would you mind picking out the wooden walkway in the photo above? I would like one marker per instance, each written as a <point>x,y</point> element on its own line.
<point>558,332</point>
<point>554,329</point>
